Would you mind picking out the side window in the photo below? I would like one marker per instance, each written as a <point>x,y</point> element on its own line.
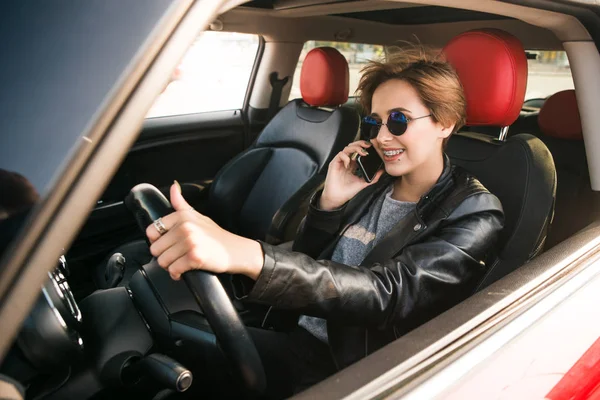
<point>549,73</point>
<point>357,55</point>
<point>212,76</point>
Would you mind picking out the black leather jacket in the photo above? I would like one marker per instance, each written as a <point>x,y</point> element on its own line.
<point>431,260</point>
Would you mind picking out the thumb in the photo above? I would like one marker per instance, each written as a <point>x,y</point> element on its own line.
<point>177,200</point>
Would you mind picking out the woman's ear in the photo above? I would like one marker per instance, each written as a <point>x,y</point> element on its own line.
<point>447,131</point>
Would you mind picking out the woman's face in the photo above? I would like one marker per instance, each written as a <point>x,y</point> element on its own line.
<point>420,146</point>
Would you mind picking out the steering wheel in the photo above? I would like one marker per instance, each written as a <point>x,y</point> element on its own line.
<point>148,204</point>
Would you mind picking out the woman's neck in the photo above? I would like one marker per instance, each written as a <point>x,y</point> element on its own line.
<point>411,187</point>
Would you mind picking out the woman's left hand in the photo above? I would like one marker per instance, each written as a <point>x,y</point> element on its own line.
<point>194,241</point>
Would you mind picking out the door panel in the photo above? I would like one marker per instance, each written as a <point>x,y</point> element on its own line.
<point>189,148</point>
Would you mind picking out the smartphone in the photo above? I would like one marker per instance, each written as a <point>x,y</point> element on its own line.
<point>369,165</point>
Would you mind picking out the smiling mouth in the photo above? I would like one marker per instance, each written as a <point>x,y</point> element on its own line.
<point>391,153</point>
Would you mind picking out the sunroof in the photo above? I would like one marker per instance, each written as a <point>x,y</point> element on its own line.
<point>396,16</point>
<point>288,4</point>
<point>267,4</point>
<point>422,15</point>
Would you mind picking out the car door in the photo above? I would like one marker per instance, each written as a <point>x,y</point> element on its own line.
<point>81,76</point>
<point>197,123</point>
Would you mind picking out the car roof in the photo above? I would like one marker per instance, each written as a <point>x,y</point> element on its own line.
<point>383,22</point>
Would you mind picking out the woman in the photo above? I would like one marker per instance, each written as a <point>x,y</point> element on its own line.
<point>371,260</point>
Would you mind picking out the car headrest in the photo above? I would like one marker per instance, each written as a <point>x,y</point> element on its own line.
<point>492,67</point>
<point>559,116</point>
<point>324,79</point>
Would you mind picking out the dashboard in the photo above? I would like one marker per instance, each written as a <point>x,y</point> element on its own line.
<point>50,336</point>
<point>110,339</point>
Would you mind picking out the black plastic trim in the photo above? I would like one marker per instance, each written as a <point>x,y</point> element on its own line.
<point>257,119</point>
<point>258,115</point>
<point>130,294</point>
<point>172,124</point>
<point>422,15</point>
<point>154,291</point>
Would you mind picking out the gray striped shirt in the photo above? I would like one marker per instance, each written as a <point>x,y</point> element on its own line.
<point>358,240</point>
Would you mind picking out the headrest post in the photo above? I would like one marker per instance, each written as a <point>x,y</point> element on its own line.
<point>503,133</point>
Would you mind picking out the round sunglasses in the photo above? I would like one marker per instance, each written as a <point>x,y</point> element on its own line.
<point>397,123</point>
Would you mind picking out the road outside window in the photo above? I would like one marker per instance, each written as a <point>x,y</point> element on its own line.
<point>212,76</point>
<point>548,73</point>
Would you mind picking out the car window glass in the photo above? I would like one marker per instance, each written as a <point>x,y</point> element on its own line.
<point>357,54</point>
<point>213,75</point>
<point>66,62</point>
<point>548,73</point>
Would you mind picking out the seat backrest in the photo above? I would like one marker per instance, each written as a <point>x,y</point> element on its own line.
<point>560,129</point>
<point>492,66</point>
<point>289,159</point>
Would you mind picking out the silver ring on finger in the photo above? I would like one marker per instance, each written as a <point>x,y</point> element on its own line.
<point>160,226</point>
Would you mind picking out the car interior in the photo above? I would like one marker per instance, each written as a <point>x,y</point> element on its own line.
<point>131,331</point>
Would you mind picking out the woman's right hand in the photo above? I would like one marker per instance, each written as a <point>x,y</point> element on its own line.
<point>341,183</point>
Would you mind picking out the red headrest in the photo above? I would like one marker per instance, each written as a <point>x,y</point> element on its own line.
<point>324,80</point>
<point>559,116</point>
<point>492,67</point>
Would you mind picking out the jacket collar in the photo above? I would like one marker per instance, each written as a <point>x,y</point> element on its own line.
<point>360,204</point>
<point>429,202</point>
<point>413,225</point>
<point>434,194</point>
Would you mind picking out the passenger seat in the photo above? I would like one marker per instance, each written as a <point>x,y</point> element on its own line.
<point>492,67</point>
<point>560,129</point>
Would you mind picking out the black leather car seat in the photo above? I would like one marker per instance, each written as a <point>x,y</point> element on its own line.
<point>260,193</point>
<point>289,159</point>
<point>493,70</point>
<point>560,129</point>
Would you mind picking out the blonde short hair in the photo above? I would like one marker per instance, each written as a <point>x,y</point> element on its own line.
<point>434,79</point>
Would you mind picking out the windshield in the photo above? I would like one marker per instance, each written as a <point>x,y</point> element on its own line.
<point>60,73</point>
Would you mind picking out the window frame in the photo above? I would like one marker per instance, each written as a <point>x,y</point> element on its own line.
<point>249,85</point>
<point>252,81</point>
<point>529,76</point>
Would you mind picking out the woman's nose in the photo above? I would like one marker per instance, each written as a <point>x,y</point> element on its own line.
<point>384,134</point>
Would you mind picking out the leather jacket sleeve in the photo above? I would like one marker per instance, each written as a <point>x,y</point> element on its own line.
<point>318,229</point>
<point>422,279</point>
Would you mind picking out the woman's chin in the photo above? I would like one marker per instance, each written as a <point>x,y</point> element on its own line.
<point>397,169</point>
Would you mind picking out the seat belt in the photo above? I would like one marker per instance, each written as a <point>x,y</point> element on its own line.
<point>277,88</point>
